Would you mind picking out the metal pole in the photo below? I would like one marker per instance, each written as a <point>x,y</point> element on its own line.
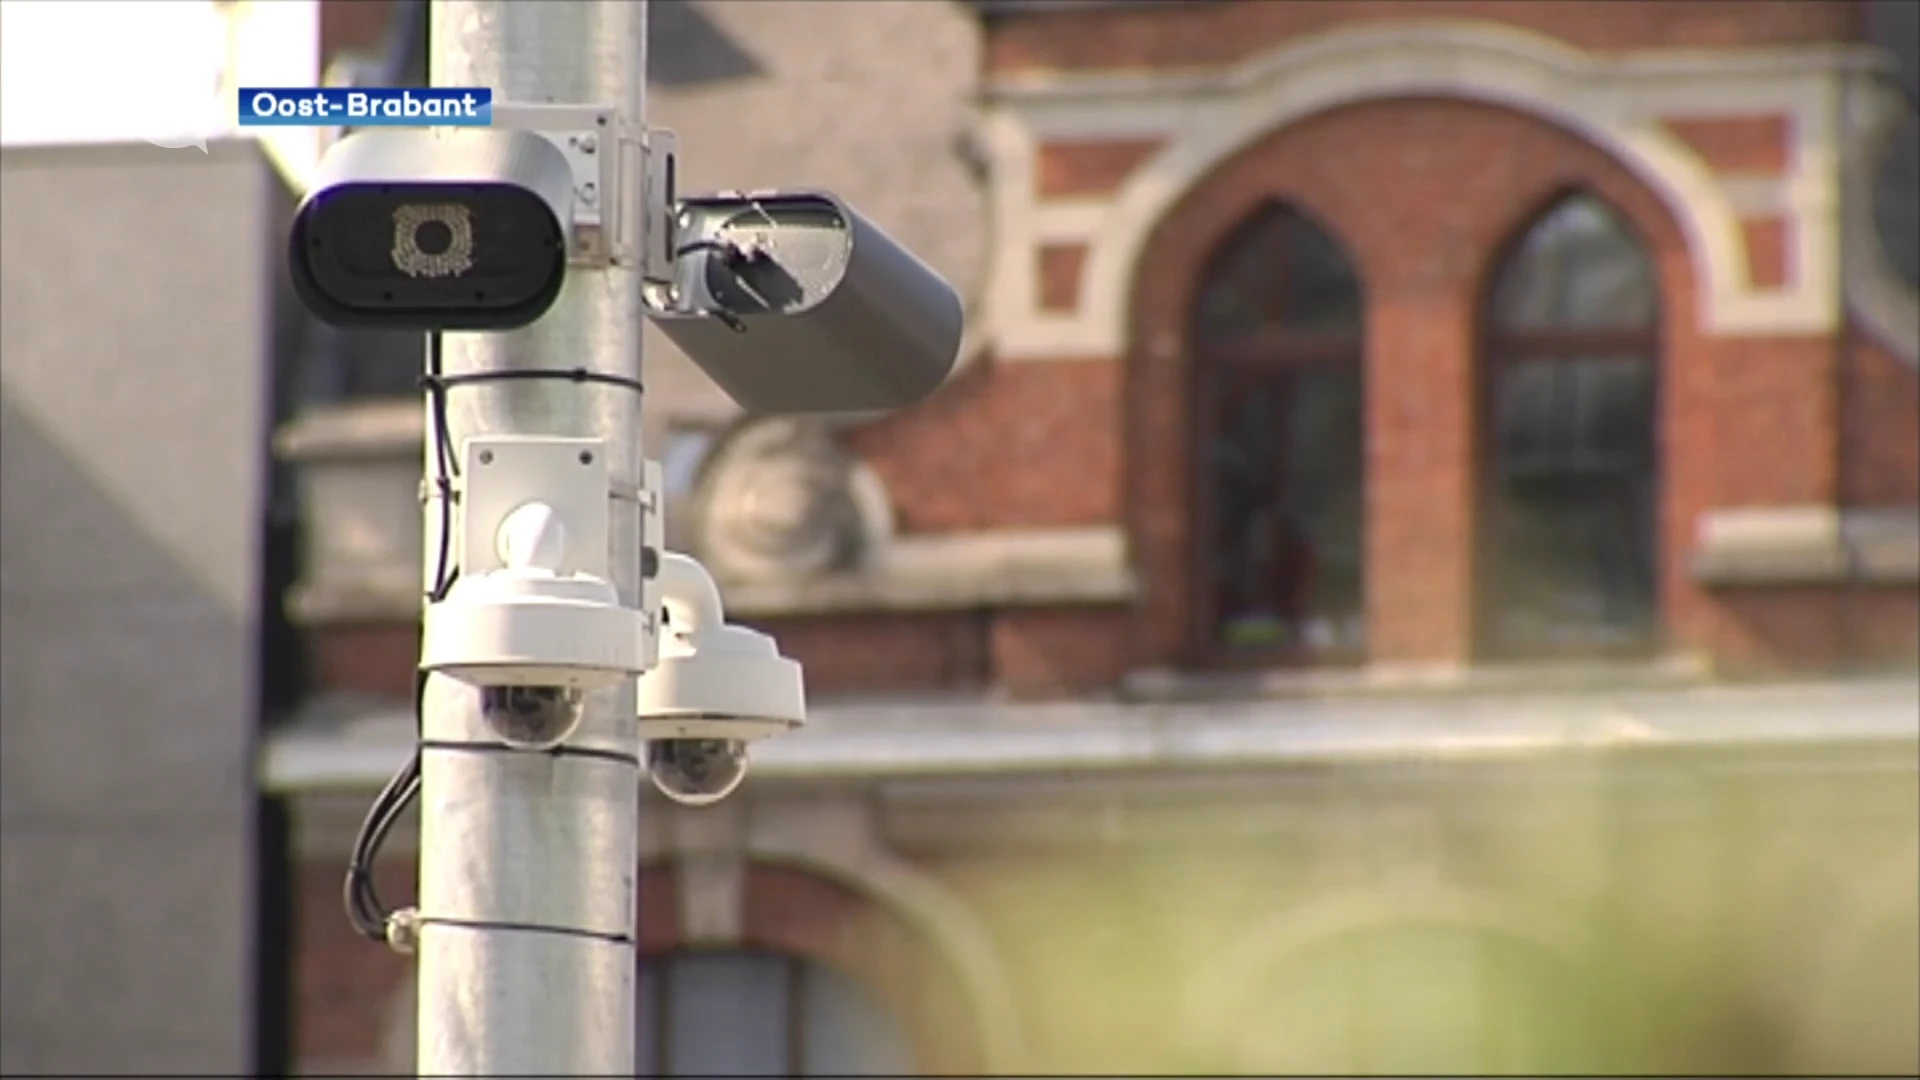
<point>542,850</point>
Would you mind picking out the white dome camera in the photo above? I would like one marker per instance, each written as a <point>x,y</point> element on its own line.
<point>714,689</point>
<point>528,623</point>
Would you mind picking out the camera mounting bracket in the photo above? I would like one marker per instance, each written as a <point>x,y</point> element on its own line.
<point>608,155</point>
<point>501,473</point>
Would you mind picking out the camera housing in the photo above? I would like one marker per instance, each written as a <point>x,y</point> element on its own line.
<point>794,303</point>
<point>449,229</point>
<point>533,622</point>
<point>715,689</point>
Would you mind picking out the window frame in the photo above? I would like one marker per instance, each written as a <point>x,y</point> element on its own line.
<point>1500,351</point>
<point>1271,351</point>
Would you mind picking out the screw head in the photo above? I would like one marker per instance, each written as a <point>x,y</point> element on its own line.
<point>586,457</point>
<point>486,457</point>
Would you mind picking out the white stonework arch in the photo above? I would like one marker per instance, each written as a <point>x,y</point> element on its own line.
<point>834,839</point>
<point>1615,103</point>
<point>1225,988</point>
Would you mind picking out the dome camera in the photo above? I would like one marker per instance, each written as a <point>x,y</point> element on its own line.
<point>532,717</point>
<point>697,772</point>
<point>533,639</point>
<point>715,689</point>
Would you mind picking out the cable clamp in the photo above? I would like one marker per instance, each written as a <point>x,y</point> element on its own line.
<point>403,931</point>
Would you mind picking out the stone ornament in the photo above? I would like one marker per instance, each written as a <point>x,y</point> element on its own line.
<point>780,498</point>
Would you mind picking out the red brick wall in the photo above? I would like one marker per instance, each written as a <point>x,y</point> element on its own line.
<point>1774,416</point>
<point>1021,652</point>
<point>1044,652</point>
<point>1880,451</point>
<point>1222,33</point>
<point>886,653</point>
<point>1082,167</point>
<point>1763,631</point>
<point>1737,145</point>
<point>1028,444</point>
<point>352,24</point>
<point>378,659</point>
<point>343,984</point>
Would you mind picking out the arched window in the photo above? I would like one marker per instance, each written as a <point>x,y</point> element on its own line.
<point>1569,531</point>
<point>1276,340</point>
<point>745,1013</point>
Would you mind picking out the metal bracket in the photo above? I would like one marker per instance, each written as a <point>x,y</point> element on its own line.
<point>604,151</point>
<point>501,473</point>
<point>653,547</point>
<point>662,151</point>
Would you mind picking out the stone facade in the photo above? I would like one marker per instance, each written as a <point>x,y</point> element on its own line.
<point>1029,534</point>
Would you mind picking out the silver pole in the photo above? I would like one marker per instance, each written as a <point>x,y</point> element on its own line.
<point>540,850</point>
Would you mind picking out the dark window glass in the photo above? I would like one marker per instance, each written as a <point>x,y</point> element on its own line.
<point>1570,534</point>
<point>1280,274</point>
<point>1577,268</point>
<point>747,1013</point>
<point>1278,337</point>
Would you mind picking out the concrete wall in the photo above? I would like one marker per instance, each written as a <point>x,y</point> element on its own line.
<point>137,341</point>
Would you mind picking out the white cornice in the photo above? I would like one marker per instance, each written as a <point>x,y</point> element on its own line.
<point>1617,103</point>
<point>996,739</point>
<point>1434,36</point>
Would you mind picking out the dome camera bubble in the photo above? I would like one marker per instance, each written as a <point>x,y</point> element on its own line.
<point>697,772</point>
<point>532,717</point>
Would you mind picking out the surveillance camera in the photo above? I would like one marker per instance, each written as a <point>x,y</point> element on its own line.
<point>534,644</point>
<point>462,229</point>
<point>714,689</point>
<point>792,302</point>
<point>697,772</point>
<point>530,623</point>
<point>532,717</point>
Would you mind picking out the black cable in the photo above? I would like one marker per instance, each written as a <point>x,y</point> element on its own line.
<point>438,384</point>
<point>365,910</point>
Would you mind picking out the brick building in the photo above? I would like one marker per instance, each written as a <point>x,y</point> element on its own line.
<point>1387,430</point>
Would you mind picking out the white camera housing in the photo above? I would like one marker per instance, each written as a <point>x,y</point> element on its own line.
<point>713,690</point>
<point>713,680</point>
<point>533,622</point>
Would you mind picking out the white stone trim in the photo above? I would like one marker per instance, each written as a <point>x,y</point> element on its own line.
<point>1073,220</point>
<point>1884,305</point>
<point>1756,196</point>
<point>935,738</point>
<point>1809,543</point>
<point>1617,104</point>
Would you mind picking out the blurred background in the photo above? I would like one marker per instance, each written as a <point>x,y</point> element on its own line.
<point>1416,572</point>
